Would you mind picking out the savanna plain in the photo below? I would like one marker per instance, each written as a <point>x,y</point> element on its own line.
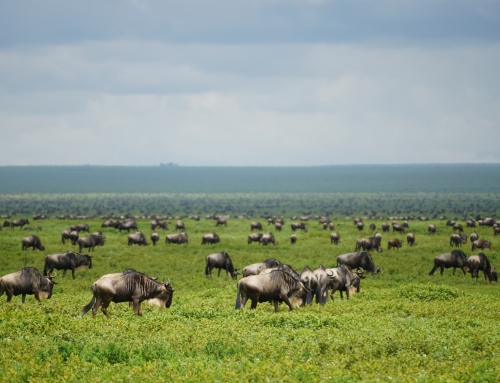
<point>404,325</point>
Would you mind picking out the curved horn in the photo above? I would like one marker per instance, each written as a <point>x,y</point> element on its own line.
<point>53,276</point>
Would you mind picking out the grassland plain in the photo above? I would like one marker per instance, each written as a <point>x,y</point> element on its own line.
<point>403,326</point>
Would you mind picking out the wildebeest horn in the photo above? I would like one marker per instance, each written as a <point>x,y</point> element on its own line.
<point>329,272</point>
<point>53,276</point>
<point>157,276</point>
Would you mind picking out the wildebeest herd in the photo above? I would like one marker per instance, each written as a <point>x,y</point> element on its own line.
<point>267,281</point>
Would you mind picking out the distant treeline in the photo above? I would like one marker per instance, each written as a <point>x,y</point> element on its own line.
<point>255,204</point>
<point>180,179</point>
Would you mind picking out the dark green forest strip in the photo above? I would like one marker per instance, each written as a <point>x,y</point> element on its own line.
<point>465,178</point>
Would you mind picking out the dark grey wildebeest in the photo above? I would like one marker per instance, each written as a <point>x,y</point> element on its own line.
<point>220,261</point>
<point>27,281</point>
<point>67,261</point>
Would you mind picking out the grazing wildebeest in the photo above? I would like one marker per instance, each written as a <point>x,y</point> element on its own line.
<point>270,221</point>
<point>481,244</point>
<point>432,229</point>
<point>470,223</point>
<point>129,225</point>
<point>378,237</point>
<point>496,230</point>
<point>138,238</point>
<point>210,238</point>
<point>372,226</point>
<point>298,225</point>
<point>156,223</point>
<point>254,238</point>
<point>220,261</point>
<point>27,281</point>
<point>129,286</point>
<point>221,221</point>
<point>368,244</point>
<point>67,261</point>
<point>473,236</point>
<point>360,225</point>
<point>278,226</point>
<point>155,238</point>
<point>255,225</point>
<point>334,238</point>
<point>358,260</point>
<point>322,286</point>
<point>179,225</point>
<point>458,227</point>
<point>458,240</point>
<point>450,222</point>
<point>91,242</point>
<point>110,223</point>
<point>398,228</point>
<point>385,227</point>
<point>180,238</point>
<point>276,286</point>
<point>308,278</point>
<point>394,244</point>
<point>32,241</point>
<point>6,223</point>
<point>410,239</point>
<point>293,239</point>
<point>71,235</point>
<point>267,238</point>
<point>256,268</point>
<point>19,222</point>
<point>405,224</point>
<point>80,227</point>
<point>481,262</point>
<point>455,259</point>
<point>345,280</point>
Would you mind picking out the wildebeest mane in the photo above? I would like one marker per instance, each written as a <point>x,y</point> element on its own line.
<point>271,262</point>
<point>461,254</point>
<point>484,263</point>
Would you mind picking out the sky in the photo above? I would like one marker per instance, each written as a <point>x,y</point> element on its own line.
<point>249,83</point>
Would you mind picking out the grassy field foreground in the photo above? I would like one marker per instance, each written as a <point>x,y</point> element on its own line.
<point>403,326</point>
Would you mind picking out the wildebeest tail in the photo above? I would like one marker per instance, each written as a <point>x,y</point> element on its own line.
<point>238,298</point>
<point>91,303</point>
<point>207,269</point>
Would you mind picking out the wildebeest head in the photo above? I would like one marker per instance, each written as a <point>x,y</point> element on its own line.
<point>164,299</point>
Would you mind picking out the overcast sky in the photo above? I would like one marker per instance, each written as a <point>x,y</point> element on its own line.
<point>233,83</point>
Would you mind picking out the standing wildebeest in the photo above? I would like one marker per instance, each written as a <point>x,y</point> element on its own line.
<point>470,223</point>
<point>129,225</point>
<point>473,236</point>
<point>32,241</point>
<point>256,268</point>
<point>80,227</point>
<point>19,222</point>
<point>496,230</point>
<point>210,238</point>
<point>481,262</point>
<point>254,238</point>
<point>410,239</point>
<point>293,239</point>
<point>138,238</point>
<point>385,227</point>
<point>179,225</point>
<point>455,259</point>
<point>334,238</point>
<point>372,226</point>
<point>194,217</point>
<point>221,221</point>
<point>255,225</point>
<point>220,261</point>
<point>360,225</point>
<point>308,278</point>
<point>458,240</point>
<point>322,286</point>
<point>129,286</point>
<point>156,223</point>
<point>278,226</point>
<point>458,227</point>
<point>398,228</point>
<point>481,244</point>
<point>67,261</point>
<point>276,286</point>
<point>110,223</point>
<point>6,223</point>
<point>71,235</point>
<point>356,260</point>
<point>27,281</point>
<point>432,229</point>
<point>298,225</point>
<point>180,239</point>
<point>394,244</point>
<point>91,242</point>
<point>155,238</point>
<point>368,244</point>
<point>267,238</point>
<point>345,280</point>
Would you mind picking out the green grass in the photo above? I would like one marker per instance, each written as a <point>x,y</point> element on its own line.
<point>404,326</point>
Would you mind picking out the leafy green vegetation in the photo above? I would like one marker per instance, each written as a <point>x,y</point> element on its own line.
<point>403,326</point>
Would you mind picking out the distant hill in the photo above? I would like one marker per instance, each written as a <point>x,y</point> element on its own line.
<point>463,178</point>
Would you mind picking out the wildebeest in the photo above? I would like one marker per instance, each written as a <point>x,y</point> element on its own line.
<point>298,225</point>
<point>138,238</point>
<point>455,259</point>
<point>110,223</point>
<point>276,286</point>
<point>155,238</point>
<point>179,225</point>
<point>458,227</point>
<point>67,261</point>
<point>345,280</point>
<point>278,226</point>
<point>398,228</point>
<point>194,217</point>
<point>432,229</point>
<point>256,268</point>
<point>394,244</point>
<point>254,238</point>
<point>322,285</point>
<point>361,259</point>
<point>129,286</point>
<point>368,244</point>
<point>481,262</point>
<point>470,223</point>
<point>19,222</point>
<point>473,236</point>
<point>372,226</point>
<point>293,239</point>
<point>210,238</point>
<point>458,240</point>
<point>71,235</point>
<point>156,223</point>
<point>255,225</point>
<point>308,278</point>
<point>496,230</point>
<point>410,239</point>
<point>180,238</point>
<point>220,261</point>
<point>129,225</point>
<point>385,227</point>
<point>27,281</point>
<point>267,238</point>
<point>91,241</point>
<point>6,223</point>
<point>80,227</point>
<point>32,241</point>
<point>221,221</point>
<point>334,238</point>
<point>360,225</point>
<point>481,244</point>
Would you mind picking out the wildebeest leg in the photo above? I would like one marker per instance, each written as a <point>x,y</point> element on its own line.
<point>254,303</point>
<point>341,294</point>
<point>276,306</point>
<point>104,308</point>
<point>218,274</point>
<point>72,273</point>
<point>454,269</point>
<point>442,270</point>
<point>137,307</point>
<point>98,302</point>
<point>9,296</point>
<point>24,298</point>
<point>287,301</point>
<point>64,274</point>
